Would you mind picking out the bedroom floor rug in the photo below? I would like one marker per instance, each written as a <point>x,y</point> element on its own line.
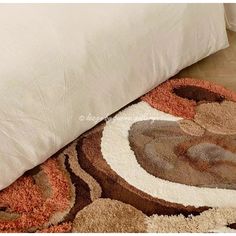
<point>166,163</point>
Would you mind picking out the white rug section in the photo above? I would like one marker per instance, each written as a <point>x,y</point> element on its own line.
<point>118,154</point>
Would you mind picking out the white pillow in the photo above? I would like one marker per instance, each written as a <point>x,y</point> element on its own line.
<point>61,62</point>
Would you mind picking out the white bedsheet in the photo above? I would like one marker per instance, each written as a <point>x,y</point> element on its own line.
<point>61,62</point>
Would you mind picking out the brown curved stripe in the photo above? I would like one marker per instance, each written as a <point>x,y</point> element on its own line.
<point>82,190</point>
<point>95,189</point>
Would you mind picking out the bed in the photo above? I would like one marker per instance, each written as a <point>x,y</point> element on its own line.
<point>64,67</point>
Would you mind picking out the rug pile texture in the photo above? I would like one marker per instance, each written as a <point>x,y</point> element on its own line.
<point>166,163</point>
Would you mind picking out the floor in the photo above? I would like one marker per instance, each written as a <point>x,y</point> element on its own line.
<point>219,67</point>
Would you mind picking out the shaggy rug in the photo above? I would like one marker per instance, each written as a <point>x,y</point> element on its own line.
<point>166,163</point>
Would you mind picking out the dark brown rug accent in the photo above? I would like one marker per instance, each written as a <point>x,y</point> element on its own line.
<point>166,163</point>
<point>198,94</point>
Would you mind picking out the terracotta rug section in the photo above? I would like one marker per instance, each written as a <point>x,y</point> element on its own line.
<point>166,163</point>
<point>181,96</point>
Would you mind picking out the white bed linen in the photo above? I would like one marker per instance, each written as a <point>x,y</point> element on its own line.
<point>61,62</point>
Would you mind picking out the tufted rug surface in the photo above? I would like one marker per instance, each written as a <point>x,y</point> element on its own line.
<point>166,163</point>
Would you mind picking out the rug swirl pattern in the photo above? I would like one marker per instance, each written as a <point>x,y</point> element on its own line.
<point>166,163</point>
